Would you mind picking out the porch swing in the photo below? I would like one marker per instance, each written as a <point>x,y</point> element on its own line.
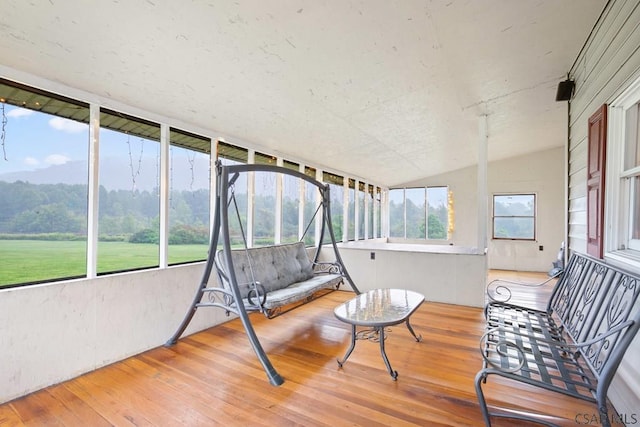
<point>271,279</point>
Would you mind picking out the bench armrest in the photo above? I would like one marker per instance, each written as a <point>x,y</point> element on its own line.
<point>498,290</point>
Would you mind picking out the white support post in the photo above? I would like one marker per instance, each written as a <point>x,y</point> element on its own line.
<point>279,190</point>
<point>318,220</point>
<point>94,186</point>
<point>251,185</point>
<point>367,206</point>
<point>375,205</point>
<point>164,195</point>
<point>301,222</point>
<point>356,211</point>
<point>213,183</point>
<point>384,212</point>
<point>482,183</point>
<point>345,215</point>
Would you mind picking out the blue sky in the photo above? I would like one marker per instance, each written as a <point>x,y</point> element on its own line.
<point>35,140</point>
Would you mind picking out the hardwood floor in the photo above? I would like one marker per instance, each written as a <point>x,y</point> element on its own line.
<point>214,378</point>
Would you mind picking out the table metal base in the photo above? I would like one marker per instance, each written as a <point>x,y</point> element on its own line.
<point>370,335</point>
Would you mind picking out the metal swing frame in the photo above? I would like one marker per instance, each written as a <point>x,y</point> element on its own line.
<point>232,301</point>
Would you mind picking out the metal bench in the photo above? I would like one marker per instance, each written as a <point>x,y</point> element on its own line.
<point>574,346</point>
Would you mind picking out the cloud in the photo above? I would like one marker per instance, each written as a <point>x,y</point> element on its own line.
<point>56,159</point>
<point>66,125</point>
<point>30,161</point>
<point>19,112</point>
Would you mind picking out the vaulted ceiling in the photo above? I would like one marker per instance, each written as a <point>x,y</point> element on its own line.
<point>389,91</point>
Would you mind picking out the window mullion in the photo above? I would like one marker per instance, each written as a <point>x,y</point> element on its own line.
<point>94,190</point>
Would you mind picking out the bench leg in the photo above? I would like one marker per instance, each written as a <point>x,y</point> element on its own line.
<point>604,414</point>
<point>481,378</point>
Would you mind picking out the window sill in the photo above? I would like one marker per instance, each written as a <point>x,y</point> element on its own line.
<point>626,258</point>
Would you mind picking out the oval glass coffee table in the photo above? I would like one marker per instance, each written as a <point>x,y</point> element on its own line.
<point>376,310</point>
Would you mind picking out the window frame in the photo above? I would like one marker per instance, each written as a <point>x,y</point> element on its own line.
<point>618,244</point>
<point>425,212</point>
<point>50,105</point>
<point>177,140</point>
<point>494,216</point>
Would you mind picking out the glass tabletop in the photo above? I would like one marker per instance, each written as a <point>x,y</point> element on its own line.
<point>379,307</point>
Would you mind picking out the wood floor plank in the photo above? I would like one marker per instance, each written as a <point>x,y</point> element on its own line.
<point>9,417</point>
<point>214,378</point>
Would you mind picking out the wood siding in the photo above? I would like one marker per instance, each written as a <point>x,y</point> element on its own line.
<point>609,62</point>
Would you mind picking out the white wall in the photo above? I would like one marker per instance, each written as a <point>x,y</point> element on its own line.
<point>57,331</point>
<point>541,173</point>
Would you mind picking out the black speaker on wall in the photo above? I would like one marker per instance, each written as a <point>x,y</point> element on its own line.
<point>565,90</point>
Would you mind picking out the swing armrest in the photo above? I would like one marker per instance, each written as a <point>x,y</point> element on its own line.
<point>324,267</point>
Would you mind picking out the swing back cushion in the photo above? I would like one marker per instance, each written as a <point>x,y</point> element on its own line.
<point>285,272</point>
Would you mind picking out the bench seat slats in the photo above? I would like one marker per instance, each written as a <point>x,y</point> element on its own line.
<point>299,291</point>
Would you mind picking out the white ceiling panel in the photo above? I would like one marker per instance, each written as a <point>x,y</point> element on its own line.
<point>390,91</point>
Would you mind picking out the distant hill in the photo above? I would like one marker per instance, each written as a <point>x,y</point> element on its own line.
<point>114,175</point>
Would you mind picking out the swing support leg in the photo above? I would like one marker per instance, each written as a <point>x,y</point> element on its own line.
<point>274,377</point>
<point>215,234</point>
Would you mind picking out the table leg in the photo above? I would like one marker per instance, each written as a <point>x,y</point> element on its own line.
<point>350,349</point>
<point>418,338</point>
<point>394,374</point>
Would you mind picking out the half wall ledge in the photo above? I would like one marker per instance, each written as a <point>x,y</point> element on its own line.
<point>442,273</point>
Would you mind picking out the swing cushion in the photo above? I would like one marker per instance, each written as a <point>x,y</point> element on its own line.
<point>284,270</point>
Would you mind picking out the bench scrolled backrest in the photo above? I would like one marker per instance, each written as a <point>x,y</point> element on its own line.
<point>591,300</point>
<point>274,267</point>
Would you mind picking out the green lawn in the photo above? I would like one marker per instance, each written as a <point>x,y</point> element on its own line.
<point>25,261</point>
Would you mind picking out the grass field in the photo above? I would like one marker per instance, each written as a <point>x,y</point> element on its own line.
<point>27,261</point>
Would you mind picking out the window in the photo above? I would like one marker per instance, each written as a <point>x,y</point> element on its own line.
<point>44,142</point>
<point>129,207</point>
<point>361,218</point>
<point>231,155</point>
<point>419,213</point>
<point>437,213</point>
<point>514,216</point>
<point>336,190</point>
<point>311,200</point>
<point>264,203</point>
<point>396,212</point>
<point>351,209</point>
<point>46,226</point>
<point>631,174</point>
<point>415,199</point>
<point>623,177</point>
<point>189,174</point>
<point>290,205</point>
